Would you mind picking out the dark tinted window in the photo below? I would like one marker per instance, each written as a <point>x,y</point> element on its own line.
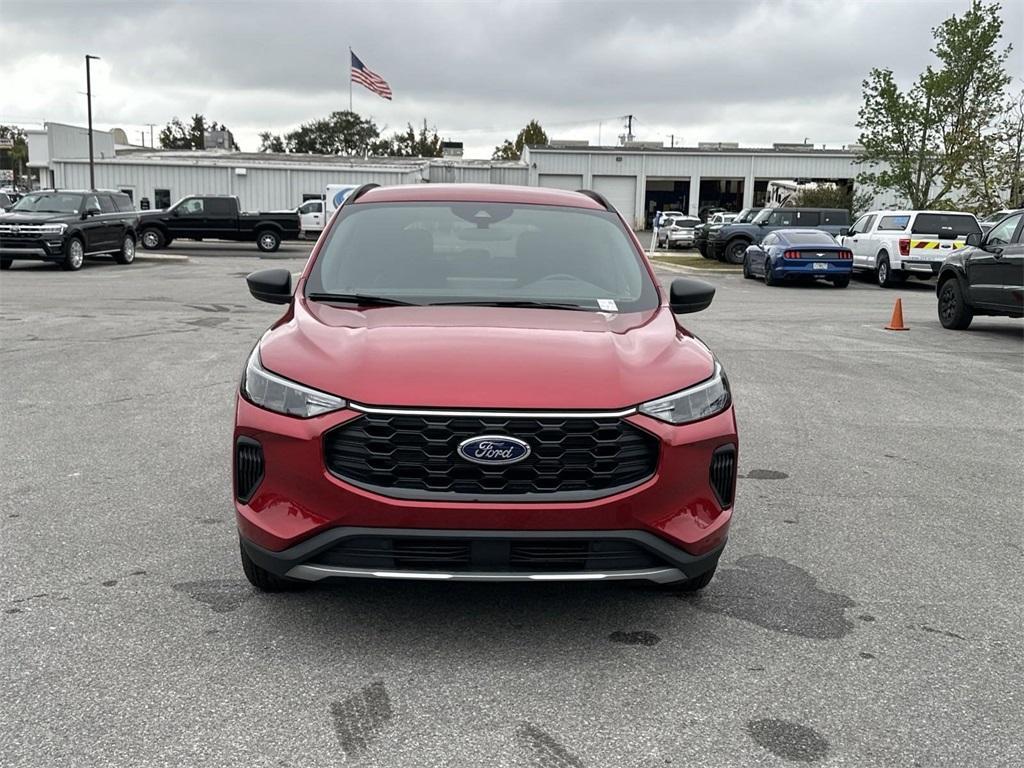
<point>1002,233</point>
<point>945,225</point>
<point>782,217</point>
<point>894,223</point>
<point>835,217</point>
<point>430,253</point>
<point>107,204</point>
<point>123,202</point>
<point>810,238</point>
<point>807,218</point>
<point>220,206</point>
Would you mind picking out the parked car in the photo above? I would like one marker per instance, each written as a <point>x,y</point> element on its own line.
<point>992,219</point>
<point>311,218</point>
<point>407,410</point>
<point>986,277</point>
<point>216,217</point>
<point>730,243</point>
<point>715,223</point>
<point>895,244</point>
<point>798,254</point>
<point>661,218</point>
<point>69,226</point>
<point>677,232</point>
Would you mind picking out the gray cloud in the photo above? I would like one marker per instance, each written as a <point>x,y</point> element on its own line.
<point>745,71</point>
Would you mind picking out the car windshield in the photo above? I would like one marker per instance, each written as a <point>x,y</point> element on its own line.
<point>483,253</point>
<point>762,216</point>
<point>746,215</point>
<point>52,202</point>
<point>810,238</point>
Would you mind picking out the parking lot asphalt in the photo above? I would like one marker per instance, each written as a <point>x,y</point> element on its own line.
<point>867,610</point>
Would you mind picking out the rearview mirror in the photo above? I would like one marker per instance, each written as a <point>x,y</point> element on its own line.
<point>273,286</point>
<point>687,295</point>
<point>974,239</point>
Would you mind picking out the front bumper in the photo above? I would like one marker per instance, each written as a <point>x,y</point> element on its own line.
<point>35,249</point>
<point>299,508</point>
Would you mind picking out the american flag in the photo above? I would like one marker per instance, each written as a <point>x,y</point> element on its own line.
<point>370,79</point>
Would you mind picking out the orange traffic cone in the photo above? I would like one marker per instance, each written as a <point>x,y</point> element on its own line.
<point>896,324</point>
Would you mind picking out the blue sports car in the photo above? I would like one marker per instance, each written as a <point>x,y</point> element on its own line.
<point>788,254</point>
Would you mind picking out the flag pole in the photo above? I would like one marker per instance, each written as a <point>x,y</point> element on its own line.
<point>350,79</point>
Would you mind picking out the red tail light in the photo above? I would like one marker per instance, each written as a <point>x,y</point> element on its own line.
<point>791,255</point>
<point>846,254</point>
<point>904,246</point>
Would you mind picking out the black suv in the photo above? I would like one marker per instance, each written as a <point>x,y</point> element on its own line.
<point>66,226</point>
<point>986,277</point>
<point>730,242</point>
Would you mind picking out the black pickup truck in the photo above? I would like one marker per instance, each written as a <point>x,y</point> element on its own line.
<point>68,226</point>
<point>216,217</point>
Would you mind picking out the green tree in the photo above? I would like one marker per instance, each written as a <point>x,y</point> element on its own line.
<point>513,150</point>
<point>427,143</point>
<point>271,142</point>
<point>16,157</point>
<point>176,135</point>
<point>340,133</point>
<point>919,142</point>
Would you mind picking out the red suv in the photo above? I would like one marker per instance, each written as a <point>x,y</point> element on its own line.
<point>481,383</point>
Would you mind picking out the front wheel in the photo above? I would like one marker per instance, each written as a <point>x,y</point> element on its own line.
<point>268,241</point>
<point>704,251</point>
<point>954,312</point>
<point>153,238</point>
<point>74,255</point>
<point>735,251</point>
<point>127,253</point>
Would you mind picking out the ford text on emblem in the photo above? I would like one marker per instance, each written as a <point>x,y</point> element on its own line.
<point>494,449</point>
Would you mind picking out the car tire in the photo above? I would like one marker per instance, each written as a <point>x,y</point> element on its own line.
<point>6,263</point>
<point>261,578</point>
<point>704,251</point>
<point>954,312</point>
<point>885,275</point>
<point>268,240</point>
<point>74,255</point>
<point>735,250</point>
<point>747,274</point>
<point>768,278</point>
<point>841,282</point>
<point>153,239</point>
<point>127,253</point>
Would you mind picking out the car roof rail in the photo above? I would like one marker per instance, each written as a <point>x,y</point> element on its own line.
<point>597,197</point>
<point>359,192</point>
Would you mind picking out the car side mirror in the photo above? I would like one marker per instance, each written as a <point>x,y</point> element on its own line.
<point>974,239</point>
<point>846,231</point>
<point>273,286</point>
<point>175,212</point>
<point>687,295</point>
<point>90,211</point>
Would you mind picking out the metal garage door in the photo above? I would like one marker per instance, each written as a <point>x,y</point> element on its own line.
<point>621,192</point>
<point>561,181</point>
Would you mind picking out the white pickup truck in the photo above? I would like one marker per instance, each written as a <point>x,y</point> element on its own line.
<point>895,244</point>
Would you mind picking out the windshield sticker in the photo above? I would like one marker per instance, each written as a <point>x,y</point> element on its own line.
<point>607,305</point>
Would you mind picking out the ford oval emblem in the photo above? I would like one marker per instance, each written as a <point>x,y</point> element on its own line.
<point>494,449</point>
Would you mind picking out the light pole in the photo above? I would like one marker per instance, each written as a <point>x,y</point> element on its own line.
<point>88,100</point>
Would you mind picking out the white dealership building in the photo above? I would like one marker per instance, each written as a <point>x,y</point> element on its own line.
<point>638,178</point>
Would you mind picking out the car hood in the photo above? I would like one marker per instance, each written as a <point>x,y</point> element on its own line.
<point>486,357</point>
<point>31,217</point>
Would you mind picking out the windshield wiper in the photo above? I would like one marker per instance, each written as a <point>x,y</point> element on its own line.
<point>527,303</point>
<point>361,299</point>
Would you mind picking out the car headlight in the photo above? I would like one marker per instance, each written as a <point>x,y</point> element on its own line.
<point>270,391</point>
<point>52,229</point>
<point>698,402</point>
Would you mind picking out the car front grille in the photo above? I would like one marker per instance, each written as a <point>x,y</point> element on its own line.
<point>416,456</point>
<point>487,554</point>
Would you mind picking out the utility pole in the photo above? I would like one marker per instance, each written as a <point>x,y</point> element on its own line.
<point>629,127</point>
<point>88,99</point>
<point>151,144</point>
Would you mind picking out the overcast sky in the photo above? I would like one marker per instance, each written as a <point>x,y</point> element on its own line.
<point>748,71</point>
